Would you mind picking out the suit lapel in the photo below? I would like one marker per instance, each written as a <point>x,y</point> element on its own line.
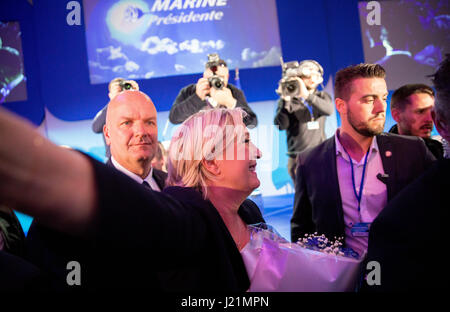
<point>387,158</point>
<point>331,163</point>
<point>160,178</point>
<point>109,162</point>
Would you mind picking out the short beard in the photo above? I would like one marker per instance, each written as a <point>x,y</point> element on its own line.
<point>363,128</point>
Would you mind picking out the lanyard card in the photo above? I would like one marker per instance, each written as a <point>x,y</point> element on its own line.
<point>361,229</point>
<point>312,125</point>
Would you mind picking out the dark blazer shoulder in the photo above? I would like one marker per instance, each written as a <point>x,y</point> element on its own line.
<point>400,139</point>
<point>315,153</point>
<point>160,178</point>
<point>406,145</point>
<point>250,212</point>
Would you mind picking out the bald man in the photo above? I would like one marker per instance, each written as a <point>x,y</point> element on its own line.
<point>131,133</point>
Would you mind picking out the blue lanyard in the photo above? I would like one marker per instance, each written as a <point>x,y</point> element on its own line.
<point>358,196</point>
<point>309,108</point>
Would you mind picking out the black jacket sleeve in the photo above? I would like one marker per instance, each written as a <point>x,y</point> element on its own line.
<point>186,104</point>
<point>319,100</point>
<point>241,102</point>
<point>281,116</point>
<point>301,221</point>
<point>147,224</point>
<point>322,102</point>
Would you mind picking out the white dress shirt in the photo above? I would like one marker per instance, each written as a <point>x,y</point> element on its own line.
<point>374,195</point>
<point>149,179</point>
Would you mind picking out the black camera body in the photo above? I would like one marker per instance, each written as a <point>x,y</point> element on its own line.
<point>289,86</point>
<point>125,85</point>
<point>216,82</point>
<point>213,63</point>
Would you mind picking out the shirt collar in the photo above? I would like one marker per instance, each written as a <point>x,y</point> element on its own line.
<point>340,148</point>
<point>131,174</point>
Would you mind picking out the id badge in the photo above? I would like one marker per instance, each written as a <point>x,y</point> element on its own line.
<point>312,125</point>
<point>361,229</point>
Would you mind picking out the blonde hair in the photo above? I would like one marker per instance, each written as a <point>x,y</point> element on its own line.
<point>203,136</point>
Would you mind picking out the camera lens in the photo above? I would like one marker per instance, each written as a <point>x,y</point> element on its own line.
<point>216,82</point>
<point>127,86</point>
<point>291,87</point>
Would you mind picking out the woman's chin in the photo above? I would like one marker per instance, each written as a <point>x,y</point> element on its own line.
<point>256,184</point>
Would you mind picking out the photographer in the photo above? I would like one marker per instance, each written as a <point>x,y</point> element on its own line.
<point>115,86</point>
<point>302,109</point>
<point>212,90</point>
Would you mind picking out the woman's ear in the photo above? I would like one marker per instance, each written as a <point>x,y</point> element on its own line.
<point>212,166</point>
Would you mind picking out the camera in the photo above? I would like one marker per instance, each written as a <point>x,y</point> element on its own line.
<point>289,86</point>
<point>216,82</point>
<point>213,63</point>
<point>125,85</point>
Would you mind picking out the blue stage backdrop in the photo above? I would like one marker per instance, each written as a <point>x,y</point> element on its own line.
<point>145,39</point>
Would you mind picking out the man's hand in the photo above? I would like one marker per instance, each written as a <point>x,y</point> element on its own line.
<point>304,93</point>
<point>202,88</point>
<point>223,97</point>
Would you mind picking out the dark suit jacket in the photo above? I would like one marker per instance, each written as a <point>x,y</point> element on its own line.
<point>51,251</point>
<point>317,203</point>
<point>408,236</point>
<point>157,241</point>
<point>174,230</point>
<point>18,275</point>
<point>217,264</point>
<point>159,176</point>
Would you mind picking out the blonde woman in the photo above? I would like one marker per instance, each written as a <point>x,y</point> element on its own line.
<point>211,169</point>
<point>190,236</point>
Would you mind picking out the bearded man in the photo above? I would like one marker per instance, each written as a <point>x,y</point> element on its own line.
<point>346,181</point>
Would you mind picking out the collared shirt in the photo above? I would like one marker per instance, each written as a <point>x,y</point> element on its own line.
<point>150,180</point>
<point>374,196</point>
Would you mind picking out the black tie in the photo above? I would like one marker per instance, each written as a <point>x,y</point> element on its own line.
<point>145,183</point>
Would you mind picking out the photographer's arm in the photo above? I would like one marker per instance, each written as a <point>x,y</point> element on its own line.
<point>99,120</point>
<point>322,102</point>
<point>53,184</point>
<point>186,104</point>
<point>281,116</point>
<point>241,102</point>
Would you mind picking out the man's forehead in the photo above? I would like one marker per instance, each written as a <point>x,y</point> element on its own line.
<point>420,99</point>
<point>129,103</point>
<point>371,85</point>
<point>131,95</point>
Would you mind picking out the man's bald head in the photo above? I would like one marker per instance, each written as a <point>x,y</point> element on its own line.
<point>131,131</point>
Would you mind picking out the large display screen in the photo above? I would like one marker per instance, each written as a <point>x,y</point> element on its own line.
<point>141,39</point>
<point>409,38</point>
<point>13,86</point>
